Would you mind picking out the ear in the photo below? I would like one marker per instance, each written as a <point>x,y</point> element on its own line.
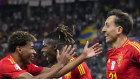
<point>120,29</point>
<point>55,47</point>
<point>19,49</point>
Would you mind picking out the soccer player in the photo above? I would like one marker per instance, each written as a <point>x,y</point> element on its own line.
<point>18,64</point>
<point>123,60</point>
<point>57,40</point>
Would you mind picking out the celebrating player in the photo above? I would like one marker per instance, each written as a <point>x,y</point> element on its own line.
<point>57,40</point>
<point>18,64</point>
<point>123,60</point>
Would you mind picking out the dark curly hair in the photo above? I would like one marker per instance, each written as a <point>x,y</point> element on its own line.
<point>123,19</point>
<point>19,38</point>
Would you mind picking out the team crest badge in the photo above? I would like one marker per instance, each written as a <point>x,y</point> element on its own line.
<point>113,65</point>
<point>17,67</point>
<point>120,58</point>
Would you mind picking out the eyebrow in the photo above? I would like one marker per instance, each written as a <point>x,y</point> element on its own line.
<point>106,23</point>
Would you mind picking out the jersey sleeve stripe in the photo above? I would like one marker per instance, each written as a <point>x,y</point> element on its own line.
<point>81,69</point>
<point>138,45</point>
<point>135,46</point>
<point>72,59</point>
<point>12,60</point>
<point>126,43</point>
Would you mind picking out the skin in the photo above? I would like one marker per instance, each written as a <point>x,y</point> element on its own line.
<point>24,58</point>
<point>27,52</point>
<point>114,34</point>
<point>87,53</point>
<point>49,51</point>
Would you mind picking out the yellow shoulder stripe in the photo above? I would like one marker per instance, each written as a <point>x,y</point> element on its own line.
<point>126,43</point>
<point>11,60</point>
<point>135,45</point>
<point>81,69</point>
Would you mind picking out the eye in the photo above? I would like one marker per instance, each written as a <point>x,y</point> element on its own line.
<point>32,47</point>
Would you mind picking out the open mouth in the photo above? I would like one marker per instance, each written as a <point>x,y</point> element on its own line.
<point>44,54</point>
<point>47,58</point>
<point>32,58</point>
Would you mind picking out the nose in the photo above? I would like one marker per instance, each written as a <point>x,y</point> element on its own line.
<point>104,29</point>
<point>34,52</point>
<point>42,50</point>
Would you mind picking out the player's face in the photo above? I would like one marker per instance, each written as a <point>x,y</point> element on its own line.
<point>27,53</point>
<point>49,52</point>
<point>110,30</point>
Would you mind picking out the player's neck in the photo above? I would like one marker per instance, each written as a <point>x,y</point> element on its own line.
<point>18,59</point>
<point>119,42</point>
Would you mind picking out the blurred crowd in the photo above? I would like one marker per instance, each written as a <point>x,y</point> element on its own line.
<point>39,21</point>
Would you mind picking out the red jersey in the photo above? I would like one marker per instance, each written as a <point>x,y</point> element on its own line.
<point>124,62</point>
<point>80,72</point>
<point>9,69</point>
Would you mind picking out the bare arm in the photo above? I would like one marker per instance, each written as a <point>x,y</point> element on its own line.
<point>87,53</point>
<point>48,73</point>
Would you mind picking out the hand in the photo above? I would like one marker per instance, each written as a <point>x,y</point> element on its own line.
<point>91,51</point>
<point>65,56</point>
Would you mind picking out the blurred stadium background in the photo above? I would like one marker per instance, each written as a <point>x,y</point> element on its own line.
<point>40,17</point>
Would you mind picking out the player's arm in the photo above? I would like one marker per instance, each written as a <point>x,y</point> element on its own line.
<point>135,49</point>
<point>45,75</point>
<point>87,53</point>
<point>48,73</point>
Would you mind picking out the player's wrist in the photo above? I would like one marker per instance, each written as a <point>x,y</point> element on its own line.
<point>82,57</point>
<point>60,64</point>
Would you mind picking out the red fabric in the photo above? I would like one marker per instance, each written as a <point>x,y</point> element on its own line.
<point>10,70</point>
<point>124,62</point>
<point>80,72</point>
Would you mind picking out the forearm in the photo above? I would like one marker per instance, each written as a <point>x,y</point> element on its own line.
<point>43,75</point>
<point>51,72</point>
<point>70,66</point>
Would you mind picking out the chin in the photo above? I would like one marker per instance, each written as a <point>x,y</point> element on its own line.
<point>29,62</point>
<point>107,41</point>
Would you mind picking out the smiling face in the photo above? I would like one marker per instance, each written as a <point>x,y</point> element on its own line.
<point>111,30</point>
<point>49,51</point>
<point>27,53</point>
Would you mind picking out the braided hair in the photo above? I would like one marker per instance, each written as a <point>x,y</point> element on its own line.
<point>60,36</point>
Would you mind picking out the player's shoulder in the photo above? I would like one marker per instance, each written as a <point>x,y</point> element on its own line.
<point>133,45</point>
<point>5,64</point>
<point>5,61</point>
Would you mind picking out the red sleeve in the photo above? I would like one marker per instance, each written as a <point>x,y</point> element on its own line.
<point>33,69</point>
<point>82,71</point>
<point>135,49</point>
<point>10,71</point>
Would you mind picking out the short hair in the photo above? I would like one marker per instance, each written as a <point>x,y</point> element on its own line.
<point>19,38</point>
<point>122,19</point>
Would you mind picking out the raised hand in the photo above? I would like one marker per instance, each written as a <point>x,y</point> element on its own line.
<point>92,51</point>
<point>66,55</point>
